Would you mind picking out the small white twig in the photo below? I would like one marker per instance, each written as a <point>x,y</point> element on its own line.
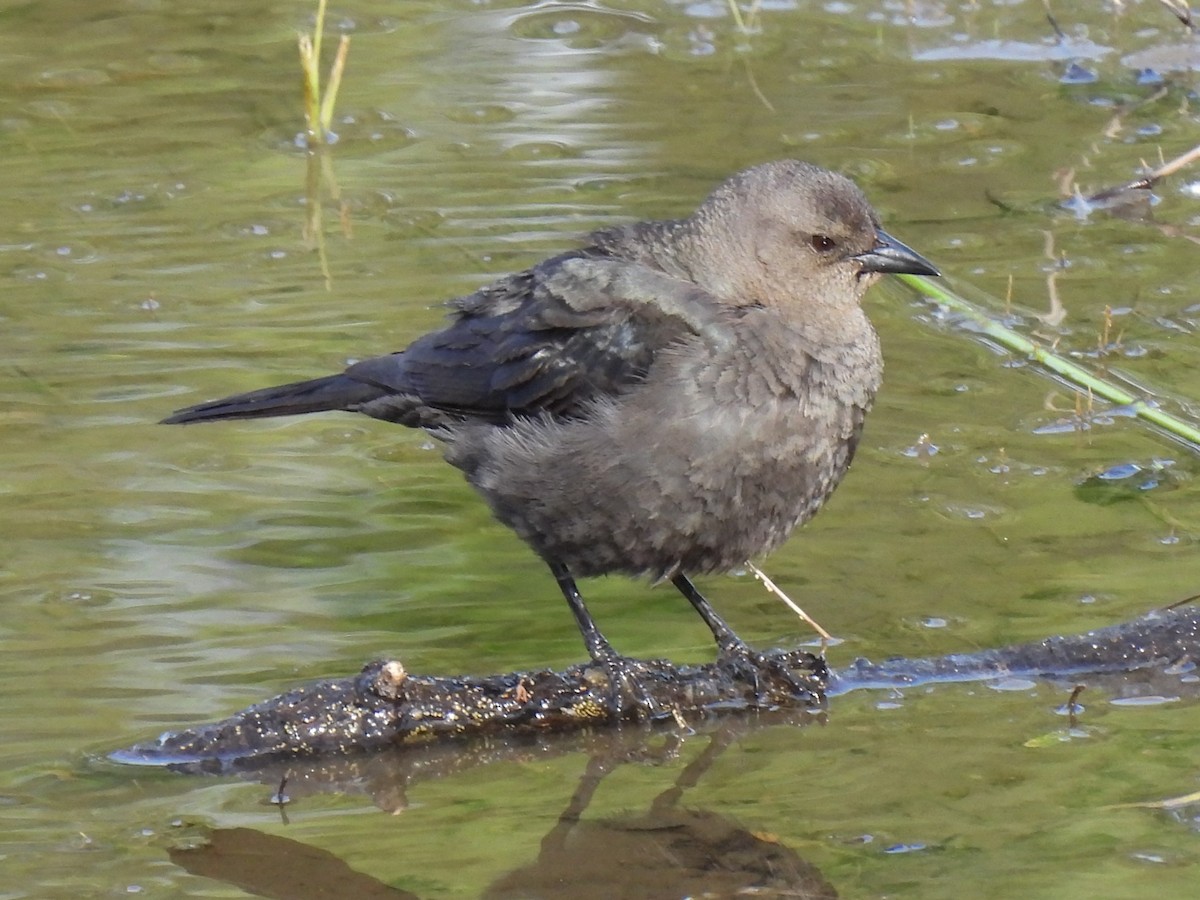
<point>774,589</point>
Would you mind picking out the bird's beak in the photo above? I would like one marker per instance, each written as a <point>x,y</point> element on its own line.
<point>890,256</point>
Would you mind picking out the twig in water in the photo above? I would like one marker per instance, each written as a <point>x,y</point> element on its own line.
<point>1151,178</point>
<point>1058,32</point>
<point>1178,603</point>
<point>1073,706</point>
<point>279,798</point>
<point>1181,10</point>
<point>774,589</point>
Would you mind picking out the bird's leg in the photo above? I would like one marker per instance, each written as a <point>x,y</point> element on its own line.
<point>622,671</point>
<point>728,642</point>
<point>746,662</point>
<point>598,647</point>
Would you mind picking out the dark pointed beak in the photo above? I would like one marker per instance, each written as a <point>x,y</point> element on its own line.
<point>889,256</point>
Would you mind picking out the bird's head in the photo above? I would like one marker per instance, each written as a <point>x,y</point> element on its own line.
<point>790,234</point>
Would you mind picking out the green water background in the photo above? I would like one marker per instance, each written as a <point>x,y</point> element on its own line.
<point>150,257</point>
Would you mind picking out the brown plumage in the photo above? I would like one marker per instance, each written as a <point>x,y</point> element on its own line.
<point>671,398</point>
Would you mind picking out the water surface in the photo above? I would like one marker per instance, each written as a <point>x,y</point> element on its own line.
<point>151,257</point>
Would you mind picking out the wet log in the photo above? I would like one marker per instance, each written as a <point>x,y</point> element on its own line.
<point>385,706</point>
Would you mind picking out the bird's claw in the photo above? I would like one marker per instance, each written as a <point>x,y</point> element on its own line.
<point>773,677</point>
<point>629,696</point>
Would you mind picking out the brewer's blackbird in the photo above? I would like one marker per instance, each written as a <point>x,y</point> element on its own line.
<point>673,397</point>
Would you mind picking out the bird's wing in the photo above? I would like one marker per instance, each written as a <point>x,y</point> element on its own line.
<point>548,340</point>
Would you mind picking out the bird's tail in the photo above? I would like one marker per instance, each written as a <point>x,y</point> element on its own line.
<point>334,392</point>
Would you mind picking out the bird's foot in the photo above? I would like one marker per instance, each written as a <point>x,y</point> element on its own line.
<point>630,695</point>
<point>777,677</point>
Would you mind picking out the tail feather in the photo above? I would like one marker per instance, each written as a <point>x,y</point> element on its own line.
<point>334,392</point>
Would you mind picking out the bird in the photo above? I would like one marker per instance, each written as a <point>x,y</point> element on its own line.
<point>671,398</point>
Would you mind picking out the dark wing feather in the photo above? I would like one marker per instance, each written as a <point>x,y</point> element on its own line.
<point>550,339</point>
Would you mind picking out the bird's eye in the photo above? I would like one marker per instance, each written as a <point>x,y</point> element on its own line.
<point>822,243</point>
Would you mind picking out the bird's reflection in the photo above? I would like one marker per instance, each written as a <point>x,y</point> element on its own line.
<point>669,849</point>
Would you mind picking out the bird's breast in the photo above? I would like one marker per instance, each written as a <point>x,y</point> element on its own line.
<point>713,459</point>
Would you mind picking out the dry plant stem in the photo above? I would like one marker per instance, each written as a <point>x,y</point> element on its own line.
<point>774,589</point>
<point>750,22</point>
<point>1079,377</point>
<point>737,15</point>
<point>310,63</point>
<point>312,87</point>
<point>755,88</point>
<point>1169,803</point>
<point>335,82</point>
<point>1174,165</point>
<point>1058,32</point>
<point>318,109</point>
<point>1181,10</point>
<point>1150,179</point>
<point>318,33</point>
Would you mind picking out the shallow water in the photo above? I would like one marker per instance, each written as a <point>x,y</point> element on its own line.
<point>151,257</point>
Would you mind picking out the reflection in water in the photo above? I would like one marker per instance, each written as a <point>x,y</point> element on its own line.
<point>666,851</point>
<point>269,866</point>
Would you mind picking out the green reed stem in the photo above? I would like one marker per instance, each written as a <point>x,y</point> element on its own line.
<point>1068,371</point>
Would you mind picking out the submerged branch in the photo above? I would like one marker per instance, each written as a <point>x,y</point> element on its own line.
<point>384,706</point>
